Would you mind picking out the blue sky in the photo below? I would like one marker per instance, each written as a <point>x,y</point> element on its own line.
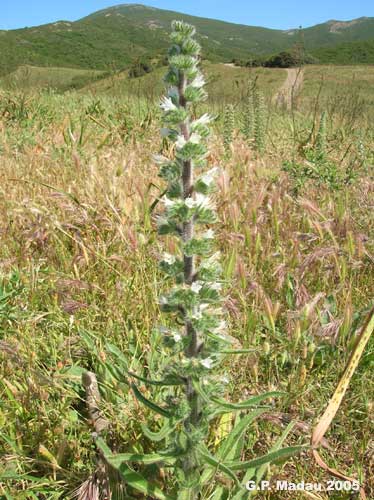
<point>280,14</point>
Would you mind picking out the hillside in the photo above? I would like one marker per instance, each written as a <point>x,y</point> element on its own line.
<point>119,35</point>
<point>361,52</point>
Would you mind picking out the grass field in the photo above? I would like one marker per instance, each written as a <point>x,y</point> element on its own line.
<point>78,267</point>
<point>226,84</point>
<point>33,77</point>
<point>342,89</point>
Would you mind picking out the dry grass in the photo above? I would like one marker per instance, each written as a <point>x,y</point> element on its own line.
<point>78,269</point>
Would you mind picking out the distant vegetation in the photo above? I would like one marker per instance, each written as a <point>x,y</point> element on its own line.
<point>119,36</point>
<point>361,52</point>
<point>285,59</point>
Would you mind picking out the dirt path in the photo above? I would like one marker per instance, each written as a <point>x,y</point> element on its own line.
<point>290,88</point>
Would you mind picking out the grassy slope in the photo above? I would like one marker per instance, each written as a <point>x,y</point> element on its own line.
<point>71,267</point>
<point>361,52</point>
<point>117,36</point>
<point>344,90</point>
<point>33,77</point>
<point>225,83</point>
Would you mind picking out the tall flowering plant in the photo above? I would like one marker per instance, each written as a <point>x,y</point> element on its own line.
<point>191,379</point>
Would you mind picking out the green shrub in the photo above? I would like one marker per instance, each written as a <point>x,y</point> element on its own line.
<point>139,68</point>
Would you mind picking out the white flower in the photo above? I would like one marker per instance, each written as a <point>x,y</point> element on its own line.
<point>167,104</point>
<point>198,82</point>
<point>180,142</point>
<point>203,120</point>
<point>221,327</point>
<point>215,286</point>
<point>214,260</point>
<point>202,200</point>
<point>198,311</point>
<point>168,202</point>
<point>211,262</point>
<point>159,159</point>
<point>209,235</point>
<point>197,314</point>
<point>207,363</point>
<point>195,138</point>
<point>189,202</point>
<point>196,287</point>
<point>177,337</point>
<point>168,258</point>
<point>161,221</point>
<point>208,177</point>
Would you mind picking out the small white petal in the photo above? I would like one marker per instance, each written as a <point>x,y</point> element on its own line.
<point>168,202</point>
<point>209,176</point>
<point>214,259</point>
<point>221,327</point>
<point>190,202</point>
<point>177,337</point>
<point>209,235</point>
<point>202,200</point>
<point>167,104</point>
<point>216,286</point>
<point>207,363</point>
<point>197,314</point>
<point>196,287</point>
<point>203,120</point>
<point>195,138</point>
<point>180,142</point>
<point>198,82</point>
<point>159,159</point>
<point>168,258</point>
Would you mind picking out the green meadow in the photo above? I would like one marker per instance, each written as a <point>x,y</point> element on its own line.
<point>79,276</point>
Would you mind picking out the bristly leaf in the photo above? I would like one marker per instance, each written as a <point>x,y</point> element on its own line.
<point>150,404</point>
<point>248,403</point>
<point>164,432</point>
<point>209,459</point>
<point>227,447</point>
<point>279,443</point>
<point>258,472</point>
<point>118,354</point>
<point>116,460</point>
<point>170,381</point>
<point>136,481</point>
<point>271,457</point>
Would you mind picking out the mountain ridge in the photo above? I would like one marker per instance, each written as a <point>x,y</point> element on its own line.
<point>119,35</point>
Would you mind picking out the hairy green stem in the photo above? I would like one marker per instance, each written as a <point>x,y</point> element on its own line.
<point>190,464</point>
